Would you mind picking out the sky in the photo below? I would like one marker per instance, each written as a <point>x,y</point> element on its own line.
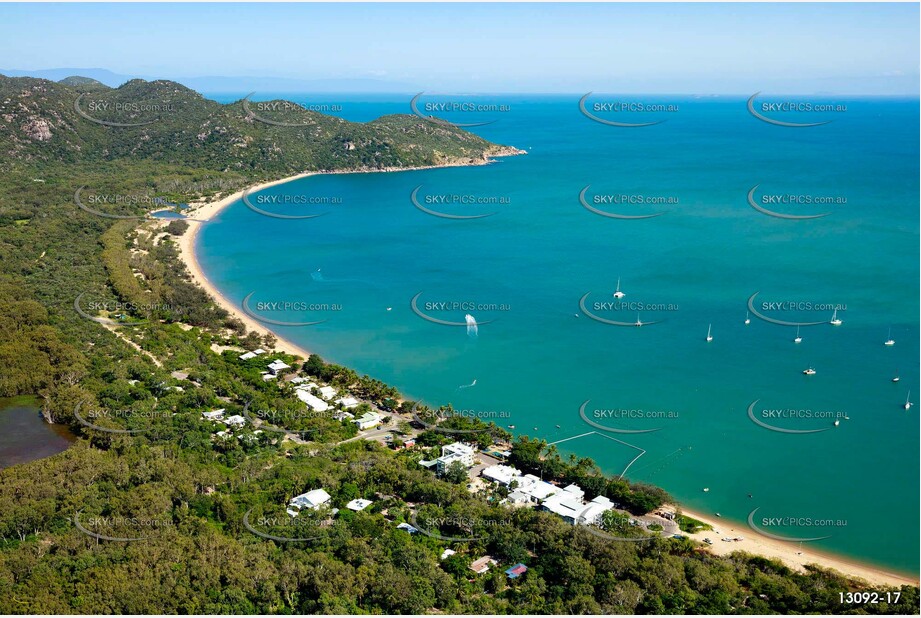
<point>853,48</point>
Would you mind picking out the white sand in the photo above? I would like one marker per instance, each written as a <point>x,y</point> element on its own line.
<point>794,555</point>
<point>187,253</point>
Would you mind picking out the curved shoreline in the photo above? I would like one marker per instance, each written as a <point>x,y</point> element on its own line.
<point>795,556</point>
<point>753,543</point>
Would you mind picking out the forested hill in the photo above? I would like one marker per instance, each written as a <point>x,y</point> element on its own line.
<point>79,120</point>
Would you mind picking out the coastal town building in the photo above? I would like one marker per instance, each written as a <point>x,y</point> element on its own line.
<point>213,415</point>
<point>313,499</point>
<point>359,504</point>
<point>327,392</point>
<point>504,475</point>
<point>528,489</point>
<point>236,420</point>
<point>481,565</point>
<point>347,402</point>
<point>313,402</point>
<point>368,420</point>
<point>456,451</point>
<point>277,366</point>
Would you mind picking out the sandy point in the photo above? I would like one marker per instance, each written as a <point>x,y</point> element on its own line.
<point>794,555</point>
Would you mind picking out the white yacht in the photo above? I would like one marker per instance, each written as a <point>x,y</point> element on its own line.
<point>617,292</point>
<point>797,339</point>
<point>809,372</point>
<point>889,339</point>
<point>748,320</point>
<point>709,330</point>
<point>835,320</point>
<point>908,403</point>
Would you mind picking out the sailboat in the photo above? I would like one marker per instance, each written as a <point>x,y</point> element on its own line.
<point>748,320</point>
<point>896,377</point>
<point>709,329</point>
<point>810,371</point>
<point>797,339</point>
<point>835,321</point>
<point>908,403</point>
<point>638,321</point>
<point>889,339</point>
<point>617,292</point>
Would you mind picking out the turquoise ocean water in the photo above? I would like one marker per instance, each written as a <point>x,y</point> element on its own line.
<point>527,266</point>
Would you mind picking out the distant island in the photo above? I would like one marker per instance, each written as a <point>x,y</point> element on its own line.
<point>221,470</point>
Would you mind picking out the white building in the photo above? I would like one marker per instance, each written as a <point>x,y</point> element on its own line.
<point>456,451</point>
<point>213,415</point>
<point>368,420</point>
<point>347,402</point>
<point>327,392</point>
<point>313,499</point>
<point>501,474</point>
<point>236,420</point>
<point>247,355</point>
<point>593,511</point>
<point>534,489</point>
<point>569,505</point>
<point>359,504</point>
<point>278,365</point>
<point>566,506</point>
<point>314,403</point>
<point>574,491</point>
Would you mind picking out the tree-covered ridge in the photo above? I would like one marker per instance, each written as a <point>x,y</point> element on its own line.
<point>46,122</point>
<point>195,490</point>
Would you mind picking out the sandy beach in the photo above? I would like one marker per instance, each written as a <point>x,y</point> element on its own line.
<point>198,215</point>
<point>794,555</point>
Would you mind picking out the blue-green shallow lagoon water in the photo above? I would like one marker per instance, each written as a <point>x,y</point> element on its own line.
<point>542,251</point>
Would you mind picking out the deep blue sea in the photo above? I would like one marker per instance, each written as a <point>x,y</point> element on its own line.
<point>536,356</point>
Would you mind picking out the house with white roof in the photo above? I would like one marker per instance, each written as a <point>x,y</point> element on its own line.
<point>313,402</point>
<point>327,392</point>
<point>501,474</point>
<point>456,451</point>
<point>566,506</point>
<point>313,499</point>
<point>236,420</point>
<point>278,365</point>
<point>368,420</point>
<point>359,504</point>
<point>347,402</point>
<point>247,355</point>
<point>591,514</point>
<point>574,491</point>
<point>213,415</point>
<point>531,490</point>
